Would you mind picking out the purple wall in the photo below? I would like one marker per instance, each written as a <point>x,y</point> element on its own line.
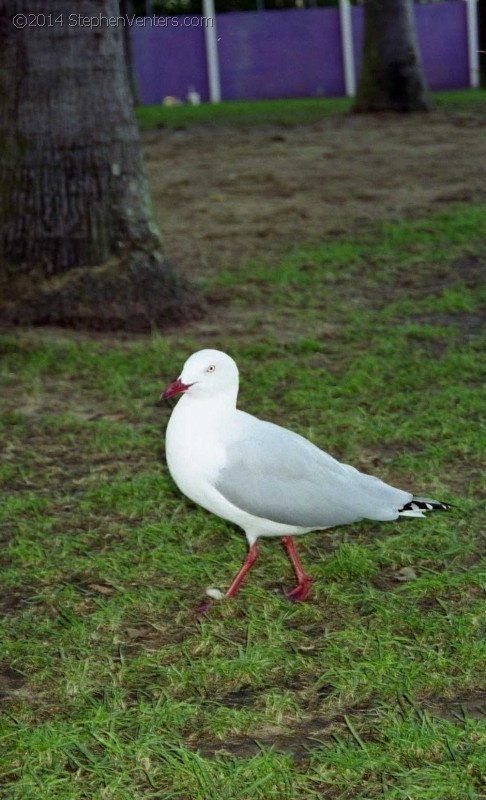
<point>294,53</point>
<point>442,35</point>
<point>167,61</point>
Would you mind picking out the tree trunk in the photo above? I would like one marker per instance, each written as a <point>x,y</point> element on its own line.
<point>391,76</point>
<point>125,11</point>
<point>78,244</point>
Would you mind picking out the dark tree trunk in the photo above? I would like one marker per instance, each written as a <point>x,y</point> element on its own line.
<point>125,11</point>
<point>78,244</point>
<point>391,76</point>
<point>482,41</point>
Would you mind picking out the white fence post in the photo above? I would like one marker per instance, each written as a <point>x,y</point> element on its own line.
<point>347,45</point>
<point>211,40</point>
<point>473,42</point>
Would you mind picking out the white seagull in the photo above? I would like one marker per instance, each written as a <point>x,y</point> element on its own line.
<point>264,478</point>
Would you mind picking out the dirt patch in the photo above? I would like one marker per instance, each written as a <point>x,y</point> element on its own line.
<point>227,194</point>
<point>457,709</point>
<point>469,326</point>
<point>298,741</point>
<point>11,682</point>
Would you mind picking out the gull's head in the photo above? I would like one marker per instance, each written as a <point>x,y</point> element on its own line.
<point>206,373</point>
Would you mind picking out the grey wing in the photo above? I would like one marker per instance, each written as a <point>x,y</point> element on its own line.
<point>278,475</point>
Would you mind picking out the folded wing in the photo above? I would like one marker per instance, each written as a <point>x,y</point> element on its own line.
<point>276,474</point>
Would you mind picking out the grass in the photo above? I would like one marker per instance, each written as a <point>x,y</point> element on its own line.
<point>282,112</point>
<point>111,687</point>
<point>246,113</point>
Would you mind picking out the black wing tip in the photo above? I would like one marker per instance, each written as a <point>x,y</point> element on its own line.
<point>420,504</point>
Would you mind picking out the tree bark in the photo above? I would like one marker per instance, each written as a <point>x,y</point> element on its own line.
<point>124,6</point>
<point>391,77</point>
<point>78,243</point>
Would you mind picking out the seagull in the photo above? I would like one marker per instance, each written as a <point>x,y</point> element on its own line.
<point>268,480</point>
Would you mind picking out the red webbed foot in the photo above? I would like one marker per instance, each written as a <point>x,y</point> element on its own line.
<point>301,591</point>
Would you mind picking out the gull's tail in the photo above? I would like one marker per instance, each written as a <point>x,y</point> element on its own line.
<point>420,505</point>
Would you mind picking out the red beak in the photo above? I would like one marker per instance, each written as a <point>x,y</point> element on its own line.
<point>177,387</point>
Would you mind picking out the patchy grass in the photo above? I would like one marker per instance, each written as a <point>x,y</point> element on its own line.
<point>111,687</point>
<point>283,112</point>
<point>243,113</point>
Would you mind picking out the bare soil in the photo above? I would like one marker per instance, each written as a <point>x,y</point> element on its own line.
<point>315,729</point>
<point>228,194</point>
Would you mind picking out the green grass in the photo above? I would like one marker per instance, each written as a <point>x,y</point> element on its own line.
<point>245,112</point>
<point>281,112</point>
<point>111,687</point>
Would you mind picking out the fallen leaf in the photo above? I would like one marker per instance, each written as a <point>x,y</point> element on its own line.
<point>101,588</point>
<point>406,574</point>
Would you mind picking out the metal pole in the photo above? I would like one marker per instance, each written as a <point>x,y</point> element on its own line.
<point>211,39</point>
<point>473,43</point>
<point>347,45</point>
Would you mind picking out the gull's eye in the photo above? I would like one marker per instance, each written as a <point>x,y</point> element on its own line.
<point>211,368</point>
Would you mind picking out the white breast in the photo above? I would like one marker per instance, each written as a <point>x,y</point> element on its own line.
<point>194,456</point>
<point>196,443</point>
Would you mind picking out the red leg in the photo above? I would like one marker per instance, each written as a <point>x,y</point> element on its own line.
<point>247,565</point>
<point>303,580</point>
<point>250,559</point>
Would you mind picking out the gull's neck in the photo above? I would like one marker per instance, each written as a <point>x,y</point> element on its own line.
<point>210,406</point>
